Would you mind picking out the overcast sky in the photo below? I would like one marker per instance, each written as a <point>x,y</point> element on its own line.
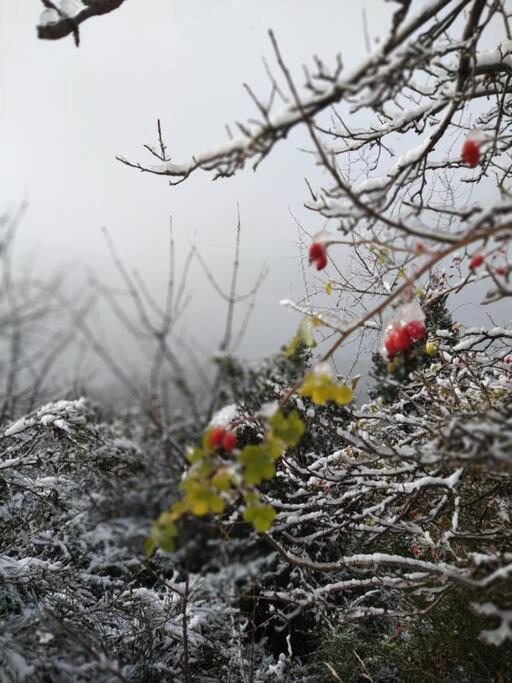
<point>67,112</point>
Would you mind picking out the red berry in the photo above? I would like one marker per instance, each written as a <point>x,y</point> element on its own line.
<point>321,262</point>
<point>476,261</point>
<point>216,436</point>
<point>415,329</point>
<point>389,343</point>
<point>401,339</point>
<point>318,255</point>
<point>229,441</point>
<point>316,251</point>
<point>471,153</point>
<point>501,270</point>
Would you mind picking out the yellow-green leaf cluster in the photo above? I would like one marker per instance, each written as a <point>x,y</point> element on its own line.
<point>211,483</point>
<point>288,428</point>
<point>258,462</point>
<point>260,516</point>
<point>162,534</point>
<point>321,386</point>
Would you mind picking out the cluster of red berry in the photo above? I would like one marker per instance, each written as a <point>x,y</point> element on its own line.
<point>222,438</point>
<point>318,255</point>
<point>401,338</point>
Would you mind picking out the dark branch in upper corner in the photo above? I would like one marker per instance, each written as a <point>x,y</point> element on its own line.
<point>66,24</point>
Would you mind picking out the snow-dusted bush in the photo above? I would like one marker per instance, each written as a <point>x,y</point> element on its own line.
<point>325,524</point>
<point>78,599</point>
<point>411,506</point>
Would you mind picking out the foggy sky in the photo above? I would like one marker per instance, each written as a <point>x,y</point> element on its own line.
<point>66,113</point>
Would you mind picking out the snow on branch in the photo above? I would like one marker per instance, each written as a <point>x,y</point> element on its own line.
<point>63,17</point>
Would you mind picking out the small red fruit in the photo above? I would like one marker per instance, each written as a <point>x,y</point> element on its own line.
<point>401,339</point>
<point>316,251</point>
<point>229,441</point>
<point>321,262</point>
<point>389,343</point>
<point>216,436</point>
<point>470,153</point>
<point>501,270</point>
<point>476,261</point>
<point>415,329</point>
<point>318,255</point>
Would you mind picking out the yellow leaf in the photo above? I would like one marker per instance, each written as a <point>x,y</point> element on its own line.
<point>431,348</point>
<point>383,255</point>
<point>343,394</point>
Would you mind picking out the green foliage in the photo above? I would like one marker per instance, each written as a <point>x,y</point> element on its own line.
<point>304,336</point>
<point>289,429</point>
<point>354,652</point>
<point>441,647</point>
<point>162,534</point>
<point>211,483</point>
<point>258,463</point>
<point>445,646</point>
<point>260,516</point>
<point>251,386</point>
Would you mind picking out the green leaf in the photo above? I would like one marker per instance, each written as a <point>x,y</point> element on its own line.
<point>252,497</point>
<point>292,347</point>
<point>258,464</point>
<point>222,480</point>
<point>304,335</point>
<point>195,455</point>
<point>260,516</point>
<point>201,500</point>
<point>274,446</point>
<point>150,545</point>
<point>162,534</point>
<point>289,428</point>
